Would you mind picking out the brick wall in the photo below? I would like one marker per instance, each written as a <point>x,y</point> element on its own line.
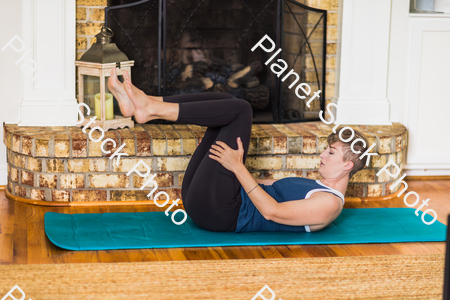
<point>63,164</point>
<point>90,18</point>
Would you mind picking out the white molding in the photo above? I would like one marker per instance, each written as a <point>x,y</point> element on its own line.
<point>53,113</point>
<point>413,55</point>
<point>398,48</point>
<point>427,166</point>
<point>430,15</point>
<point>4,174</point>
<point>49,31</point>
<point>425,170</point>
<point>362,84</point>
<point>350,112</point>
<point>418,159</point>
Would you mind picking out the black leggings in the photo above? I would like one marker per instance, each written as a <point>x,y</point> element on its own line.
<point>210,192</point>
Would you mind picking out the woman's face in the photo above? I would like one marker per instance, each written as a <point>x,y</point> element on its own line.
<point>332,163</point>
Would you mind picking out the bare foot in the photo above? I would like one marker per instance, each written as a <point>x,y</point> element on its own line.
<point>116,88</point>
<point>144,106</point>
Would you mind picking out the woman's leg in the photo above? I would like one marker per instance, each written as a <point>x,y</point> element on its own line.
<point>212,199</point>
<point>197,97</point>
<point>210,192</point>
<point>208,139</point>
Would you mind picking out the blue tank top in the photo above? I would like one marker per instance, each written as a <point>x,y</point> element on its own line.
<point>286,189</point>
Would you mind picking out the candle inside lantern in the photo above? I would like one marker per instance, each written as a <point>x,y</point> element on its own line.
<point>109,106</point>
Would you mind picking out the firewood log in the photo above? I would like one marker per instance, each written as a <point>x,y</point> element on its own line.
<point>259,97</point>
<point>187,72</point>
<point>237,78</point>
<point>251,82</point>
<point>219,88</point>
<point>195,70</point>
<point>217,63</point>
<point>200,68</point>
<point>236,67</point>
<point>202,83</point>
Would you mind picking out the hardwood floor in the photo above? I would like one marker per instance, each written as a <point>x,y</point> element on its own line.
<point>23,240</point>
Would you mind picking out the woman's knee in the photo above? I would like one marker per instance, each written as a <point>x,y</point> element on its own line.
<point>246,109</point>
<point>228,95</point>
<point>217,95</point>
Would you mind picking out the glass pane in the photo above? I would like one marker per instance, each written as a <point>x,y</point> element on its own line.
<point>91,87</point>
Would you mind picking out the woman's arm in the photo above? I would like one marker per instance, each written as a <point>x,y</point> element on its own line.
<point>262,200</point>
<point>266,181</point>
<point>300,212</point>
<point>317,210</point>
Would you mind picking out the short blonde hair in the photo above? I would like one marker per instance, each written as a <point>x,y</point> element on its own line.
<point>349,155</point>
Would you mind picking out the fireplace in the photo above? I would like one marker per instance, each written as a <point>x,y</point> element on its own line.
<point>205,46</point>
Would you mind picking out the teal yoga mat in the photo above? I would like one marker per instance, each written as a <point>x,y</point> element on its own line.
<point>156,230</point>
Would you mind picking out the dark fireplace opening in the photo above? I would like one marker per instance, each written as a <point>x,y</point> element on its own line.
<point>183,47</point>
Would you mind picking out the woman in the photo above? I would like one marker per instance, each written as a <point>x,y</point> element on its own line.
<point>218,192</point>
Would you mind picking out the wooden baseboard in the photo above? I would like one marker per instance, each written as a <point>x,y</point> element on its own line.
<point>34,202</point>
<point>85,203</point>
<point>441,177</point>
<point>371,199</point>
<point>151,203</point>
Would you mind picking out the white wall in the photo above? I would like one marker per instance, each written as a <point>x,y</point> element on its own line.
<point>11,76</point>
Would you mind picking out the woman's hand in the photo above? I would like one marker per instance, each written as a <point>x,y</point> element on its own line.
<point>228,157</point>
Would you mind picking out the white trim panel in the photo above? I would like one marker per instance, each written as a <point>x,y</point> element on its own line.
<point>427,102</point>
<point>49,35</point>
<point>367,112</point>
<point>362,81</point>
<point>48,113</point>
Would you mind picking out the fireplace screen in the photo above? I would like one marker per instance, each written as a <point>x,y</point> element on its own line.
<point>183,47</point>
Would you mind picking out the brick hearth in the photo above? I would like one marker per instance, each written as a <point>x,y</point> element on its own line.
<point>63,164</point>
